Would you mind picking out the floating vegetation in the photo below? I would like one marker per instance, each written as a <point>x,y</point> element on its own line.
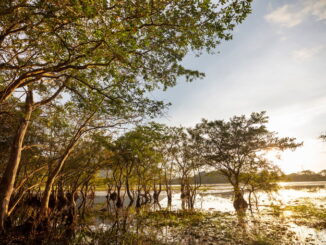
<point>308,214</point>
<point>187,227</point>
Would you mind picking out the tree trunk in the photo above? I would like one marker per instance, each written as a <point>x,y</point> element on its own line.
<point>131,198</point>
<point>249,199</point>
<point>169,194</point>
<point>51,179</point>
<point>168,190</point>
<point>61,162</point>
<point>9,176</point>
<point>183,195</point>
<point>239,203</point>
<point>46,196</point>
<point>156,195</point>
<point>119,203</point>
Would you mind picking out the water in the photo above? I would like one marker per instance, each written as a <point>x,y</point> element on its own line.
<point>218,197</point>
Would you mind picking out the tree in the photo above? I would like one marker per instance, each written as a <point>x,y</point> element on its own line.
<point>84,48</point>
<point>323,172</point>
<point>186,160</point>
<point>88,43</point>
<point>236,147</point>
<point>264,180</point>
<point>136,161</point>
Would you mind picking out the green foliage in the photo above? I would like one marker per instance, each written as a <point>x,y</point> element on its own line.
<point>99,59</point>
<point>265,180</point>
<point>276,210</point>
<point>137,156</point>
<point>172,218</point>
<point>236,147</point>
<point>308,210</point>
<point>100,45</point>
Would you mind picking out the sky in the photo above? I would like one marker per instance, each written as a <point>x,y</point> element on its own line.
<point>276,62</point>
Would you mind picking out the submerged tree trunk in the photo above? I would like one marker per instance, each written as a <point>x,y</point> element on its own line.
<point>169,194</point>
<point>168,189</point>
<point>183,195</point>
<point>9,176</point>
<point>119,203</point>
<point>239,203</point>
<point>131,198</point>
<point>156,195</point>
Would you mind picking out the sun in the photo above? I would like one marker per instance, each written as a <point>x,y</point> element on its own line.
<point>302,158</point>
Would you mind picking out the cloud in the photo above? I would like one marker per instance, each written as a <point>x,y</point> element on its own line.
<point>317,8</point>
<point>305,54</point>
<point>290,15</point>
<point>285,17</point>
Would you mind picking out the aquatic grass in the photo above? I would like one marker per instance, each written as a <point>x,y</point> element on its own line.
<point>276,210</point>
<point>172,218</point>
<point>262,240</point>
<point>307,211</point>
<point>114,237</point>
<point>308,214</point>
<point>188,227</point>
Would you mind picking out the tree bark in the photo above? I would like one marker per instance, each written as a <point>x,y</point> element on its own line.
<point>239,203</point>
<point>9,176</point>
<point>168,190</point>
<point>131,198</point>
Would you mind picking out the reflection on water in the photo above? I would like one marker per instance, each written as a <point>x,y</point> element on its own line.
<point>309,235</point>
<point>218,198</point>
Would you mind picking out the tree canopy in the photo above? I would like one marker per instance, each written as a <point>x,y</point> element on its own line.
<point>236,147</point>
<point>97,45</point>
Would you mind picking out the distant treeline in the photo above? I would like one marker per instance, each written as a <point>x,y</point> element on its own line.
<point>214,177</point>
<point>306,175</point>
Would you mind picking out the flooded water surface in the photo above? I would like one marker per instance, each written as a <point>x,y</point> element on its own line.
<point>294,213</point>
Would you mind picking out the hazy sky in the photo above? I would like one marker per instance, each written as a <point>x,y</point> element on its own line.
<point>275,62</point>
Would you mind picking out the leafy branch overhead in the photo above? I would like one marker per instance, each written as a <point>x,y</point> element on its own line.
<point>100,44</point>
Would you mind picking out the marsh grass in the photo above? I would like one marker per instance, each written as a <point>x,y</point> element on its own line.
<point>172,218</point>
<point>188,227</point>
<point>308,214</point>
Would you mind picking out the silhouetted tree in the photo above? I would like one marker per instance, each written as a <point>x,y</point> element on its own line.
<point>236,147</point>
